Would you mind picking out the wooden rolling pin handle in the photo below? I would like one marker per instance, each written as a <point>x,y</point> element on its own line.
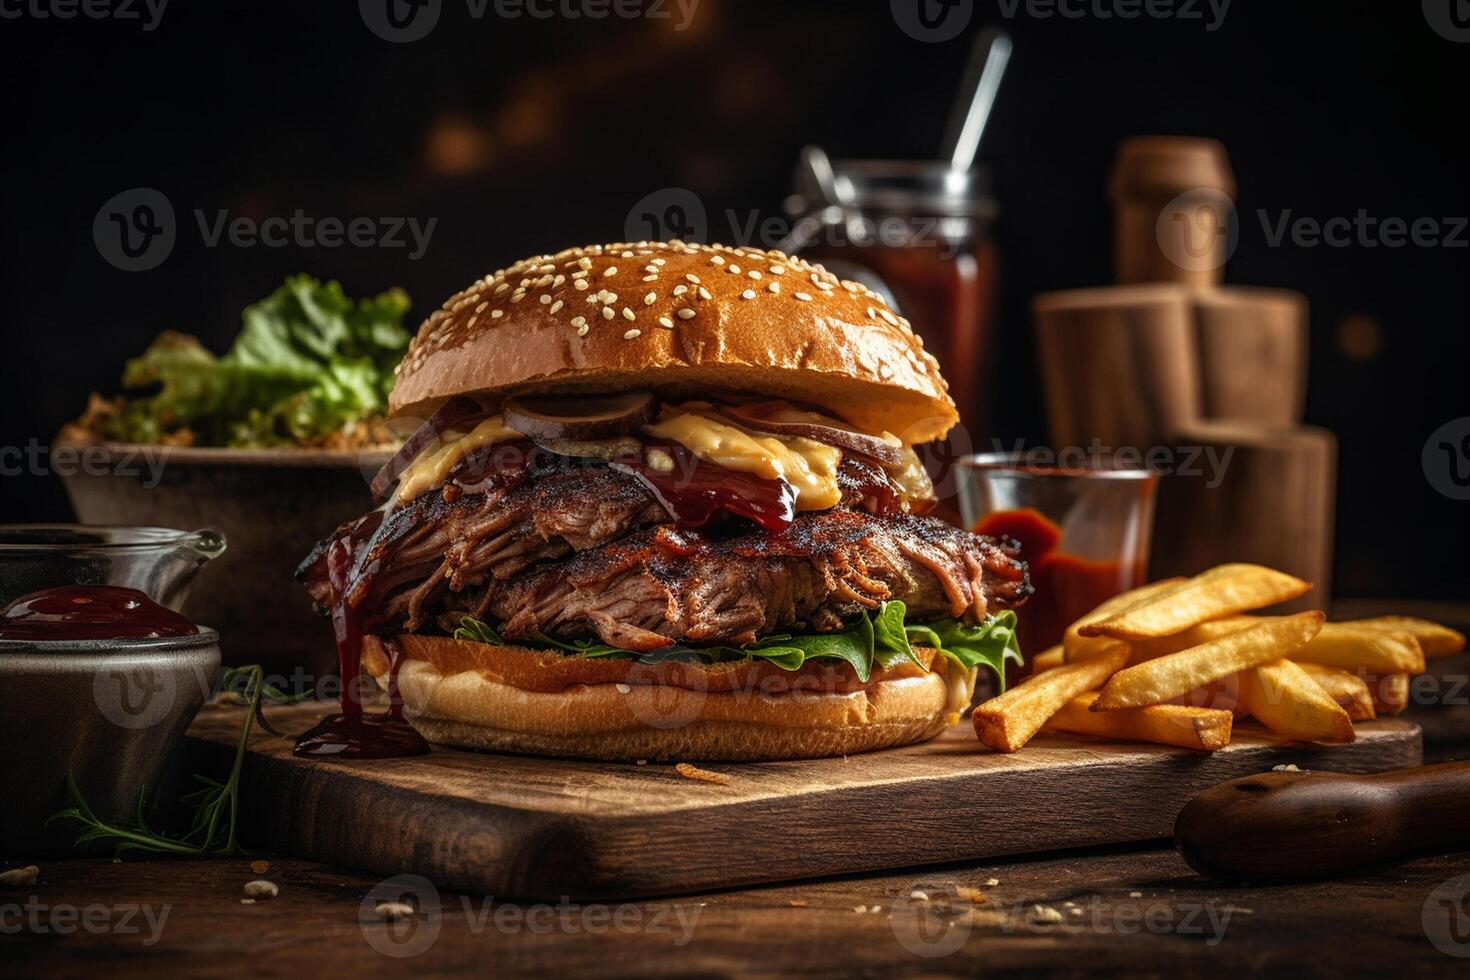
<point>1283,826</point>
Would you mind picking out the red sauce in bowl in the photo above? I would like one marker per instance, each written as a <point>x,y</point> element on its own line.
<point>90,612</point>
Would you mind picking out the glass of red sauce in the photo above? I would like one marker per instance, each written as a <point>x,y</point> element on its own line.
<point>1085,531</point>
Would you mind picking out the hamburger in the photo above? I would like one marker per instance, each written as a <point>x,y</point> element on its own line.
<point>665,503</point>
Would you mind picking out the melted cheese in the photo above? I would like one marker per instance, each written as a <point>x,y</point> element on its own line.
<point>432,466</point>
<point>810,467</point>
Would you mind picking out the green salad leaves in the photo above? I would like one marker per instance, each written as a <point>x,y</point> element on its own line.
<point>308,364</point>
<point>881,638</point>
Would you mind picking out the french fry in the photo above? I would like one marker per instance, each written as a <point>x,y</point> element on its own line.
<point>1047,659</point>
<point>1223,695</point>
<point>1375,650</point>
<point>1191,728</point>
<point>1390,693</point>
<point>1007,722</point>
<point>1344,687</point>
<point>1221,591</point>
<point>1435,640</point>
<point>1158,680</point>
<point>1281,696</point>
<point>1079,647</point>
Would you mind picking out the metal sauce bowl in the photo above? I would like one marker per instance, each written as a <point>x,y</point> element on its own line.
<point>108,712</point>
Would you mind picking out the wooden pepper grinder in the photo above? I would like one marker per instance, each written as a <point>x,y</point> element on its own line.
<point>1174,201</point>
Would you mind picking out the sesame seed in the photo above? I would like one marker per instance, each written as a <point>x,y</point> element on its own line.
<point>718,260</point>
<point>754,274</point>
<point>579,321</point>
<point>680,289</point>
<point>687,313</point>
<point>481,307</point>
<point>650,278</point>
<point>734,268</point>
<point>611,270</point>
<point>748,294</point>
<point>778,270</point>
<point>558,280</point>
<point>774,287</point>
<point>582,330</point>
<point>804,297</point>
<point>627,313</point>
<point>496,314</point>
<point>648,300</point>
<point>660,261</point>
<point>556,307</point>
<point>608,296</point>
<point>872,313</point>
<point>704,293</point>
<point>580,284</point>
<point>517,296</point>
<point>584,262</point>
<point>545,299</point>
<point>664,321</point>
<point>630,334</point>
<point>892,320</point>
<point>692,277</point>
<point>607,313</point>
<point>501,288</point>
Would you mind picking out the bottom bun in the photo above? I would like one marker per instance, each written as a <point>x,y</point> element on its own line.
<point>456,693</point>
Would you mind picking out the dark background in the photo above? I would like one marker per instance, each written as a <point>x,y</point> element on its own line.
<point>528,135</point>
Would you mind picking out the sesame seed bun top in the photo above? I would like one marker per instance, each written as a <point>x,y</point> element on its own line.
<point>681,320</point>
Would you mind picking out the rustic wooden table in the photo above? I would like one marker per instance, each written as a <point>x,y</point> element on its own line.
<point>1134,911</point>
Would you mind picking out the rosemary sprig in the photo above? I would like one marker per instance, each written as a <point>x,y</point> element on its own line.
<point>216,804</point>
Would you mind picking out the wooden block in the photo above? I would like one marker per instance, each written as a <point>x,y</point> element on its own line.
<point>1252,354</point>
<point>1274,504</point>
<point>1118,364</point>
<point>546,828</point>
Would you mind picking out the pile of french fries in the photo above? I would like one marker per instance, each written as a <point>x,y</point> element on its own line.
<point>1178,661</point>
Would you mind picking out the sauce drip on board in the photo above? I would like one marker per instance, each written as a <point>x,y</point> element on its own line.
<point>1067,586</point>
<point>90,612</point>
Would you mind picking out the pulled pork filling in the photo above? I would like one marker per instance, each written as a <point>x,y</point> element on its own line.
<point>657,549</point>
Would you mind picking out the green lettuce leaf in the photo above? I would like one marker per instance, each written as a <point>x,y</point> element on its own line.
<point>880,638</point>
<point>308,362</point>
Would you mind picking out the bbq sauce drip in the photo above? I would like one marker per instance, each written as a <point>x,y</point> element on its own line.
<point>90,612</point>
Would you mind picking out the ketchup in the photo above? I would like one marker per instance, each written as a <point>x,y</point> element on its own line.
<point>90,612</point>
<point>1067,586</point>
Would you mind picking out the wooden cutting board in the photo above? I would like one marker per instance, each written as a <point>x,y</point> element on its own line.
<point>531,827</point>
